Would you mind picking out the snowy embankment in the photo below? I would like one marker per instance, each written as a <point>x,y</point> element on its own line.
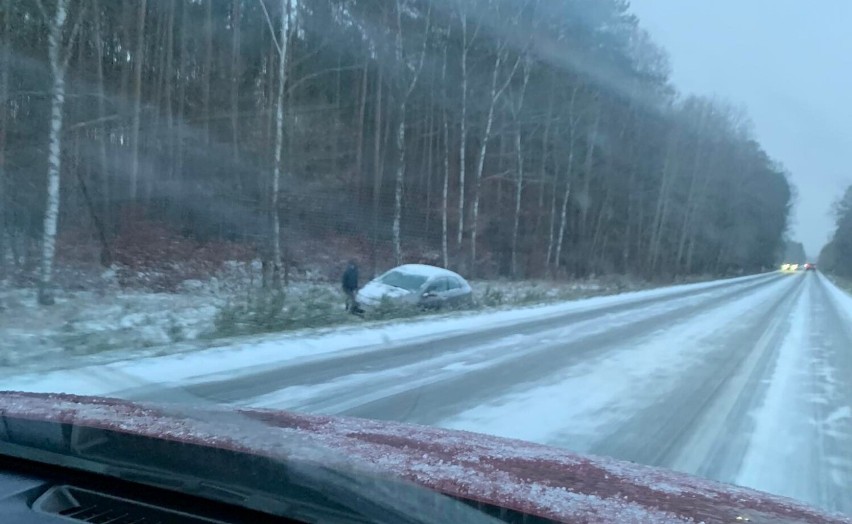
<point>105,317</point>
<point>113,371</point>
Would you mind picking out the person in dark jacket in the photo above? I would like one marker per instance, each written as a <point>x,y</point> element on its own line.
<point>350,286</point>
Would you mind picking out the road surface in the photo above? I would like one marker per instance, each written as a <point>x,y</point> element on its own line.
<point>746,381</point>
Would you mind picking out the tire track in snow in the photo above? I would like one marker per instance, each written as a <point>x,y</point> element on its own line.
<point>629,401</point>
<point>801,443</point>
<point>426,399</point>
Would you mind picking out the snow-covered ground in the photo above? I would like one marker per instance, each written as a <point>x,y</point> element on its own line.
<point>114,323</point>
<point>242,355</point>
<point>743,380</point>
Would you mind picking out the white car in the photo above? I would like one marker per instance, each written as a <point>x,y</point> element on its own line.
<point>416,285</point>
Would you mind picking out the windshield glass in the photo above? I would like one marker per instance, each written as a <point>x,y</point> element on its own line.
<point>403,280</point>
<point>637,215</point>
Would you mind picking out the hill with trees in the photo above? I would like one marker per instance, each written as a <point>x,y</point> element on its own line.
<point>520,138</point>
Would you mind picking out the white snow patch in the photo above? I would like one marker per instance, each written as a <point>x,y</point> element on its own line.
<point>246,355</point>
<point>580,404</point>
<point>767,462</point>
<point>425,270</point>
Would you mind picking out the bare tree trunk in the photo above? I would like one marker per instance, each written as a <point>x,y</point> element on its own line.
<point>659,220</point>
<point>271,83</point>
<point>519,163</point>
<point>103,157</point>
<point>542,174</point>
<point>445,257</point>
<point>236,19</point>
<point>58,65</point>
<point>153,141</point>
<point>397,195</point>
<point>563,214</point>
<point>169,89</point>
<point>400,132</point>
<point>495,93</point>
<point>588,172</point>
<point>138,57</point>
<point>181,94</point>
<point>551,237</point>
<point>519,188</point>
<point>335,134</point>
<point>696,211</point>
<point>362,111</point>
<point>5,59</point>
<point>463,130</point>
<point>691,195</point>
<point>428,147</point>
<point>378,168</point>
<point>632,226</point>
<point>284,38</point>
<point>599,222</point>
<point>207,70</point>
<point>573,121</point>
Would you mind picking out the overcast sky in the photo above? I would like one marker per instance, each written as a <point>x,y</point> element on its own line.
<point>789,64</point>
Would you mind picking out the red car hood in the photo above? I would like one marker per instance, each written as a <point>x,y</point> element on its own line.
<point>529,478</point>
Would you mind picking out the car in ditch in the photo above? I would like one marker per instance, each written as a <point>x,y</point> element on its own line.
<point>417,285</point>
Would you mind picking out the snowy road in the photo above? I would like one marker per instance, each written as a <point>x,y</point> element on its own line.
<point>746,381</point>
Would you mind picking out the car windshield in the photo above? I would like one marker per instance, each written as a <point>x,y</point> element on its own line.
<point>403,280</point>
<point>637,216</point>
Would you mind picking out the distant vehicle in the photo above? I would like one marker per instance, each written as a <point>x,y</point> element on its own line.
<point>810,266</point>
<point>417,285</point>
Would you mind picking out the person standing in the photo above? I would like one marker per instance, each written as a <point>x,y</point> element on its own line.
<point>350,286</point>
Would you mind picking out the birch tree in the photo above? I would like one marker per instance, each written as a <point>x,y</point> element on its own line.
<point>280,43</point>
<point>236,20</point>
<point>139,57</point>
<point>468,40</point>
<point>409,82</point>
<point>5,65</point>
<point>496,91</point>
<point>58,53</point>
<point>445,187</point>
<point>573,123</point>
<point>519,164</point>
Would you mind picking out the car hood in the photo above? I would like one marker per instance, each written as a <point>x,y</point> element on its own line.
<point>529,478</point>
<point>375,290</point>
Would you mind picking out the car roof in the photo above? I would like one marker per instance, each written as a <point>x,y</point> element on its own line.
<point>426,270</point>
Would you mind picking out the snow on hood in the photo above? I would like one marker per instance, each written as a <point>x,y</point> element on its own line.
<point>531,478</point>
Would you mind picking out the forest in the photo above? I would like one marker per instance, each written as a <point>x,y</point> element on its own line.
<point>510,138</point>
<point>836,256</point>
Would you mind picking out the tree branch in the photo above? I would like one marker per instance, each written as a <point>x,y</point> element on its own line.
<point>305,78</point>
<point>75,29</point>
<point>271,27</point>
<point>422,52</point>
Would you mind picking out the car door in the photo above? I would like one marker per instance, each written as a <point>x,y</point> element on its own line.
<point>435,293</point>
<point>455,291</point>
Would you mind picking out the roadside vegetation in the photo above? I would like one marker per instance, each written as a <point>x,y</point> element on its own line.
<point>198,313</point>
